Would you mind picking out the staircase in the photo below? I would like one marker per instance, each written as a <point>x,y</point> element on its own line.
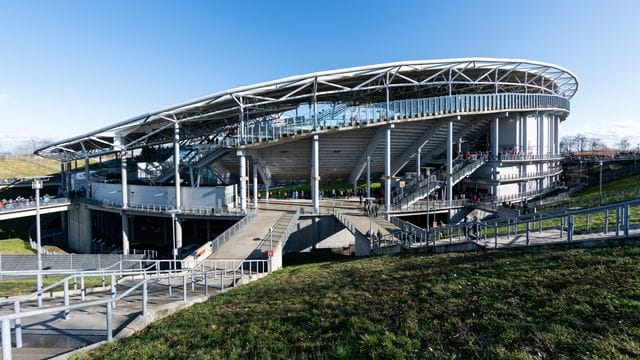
<point>420,190</point>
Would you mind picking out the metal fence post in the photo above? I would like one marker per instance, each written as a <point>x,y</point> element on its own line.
<point>113,288</point>
<point>145,297</point>
<point>221,281</point>
<point>66,299</point>
<point>527,230</point>
<point>627,209</point>
<point>109,322</point>
<point>617,220</point>
<point>206,284</point>
<point>18,324</point>
<point>83,291</point>
<point>570,228</point>
<point>606,221</point>
<point>495,234</point>
<point>184,287</point>
<point>6,339</point>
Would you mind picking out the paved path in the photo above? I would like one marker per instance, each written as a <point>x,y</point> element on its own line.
<point>46,336</point>
<point>242,244</point>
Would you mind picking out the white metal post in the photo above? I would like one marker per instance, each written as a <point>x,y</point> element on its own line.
<point>176,163</point>
<point>255,183</point>
<point>450,160</point>
<point>37,185</point>
<point>315,175</point>
<point>243,180</point>
<point>368,176</point>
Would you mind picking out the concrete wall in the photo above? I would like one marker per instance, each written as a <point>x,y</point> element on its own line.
<point>79,228</point>
<point>203,197</point>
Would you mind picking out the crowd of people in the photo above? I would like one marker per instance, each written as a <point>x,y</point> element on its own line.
<point>21,201</point>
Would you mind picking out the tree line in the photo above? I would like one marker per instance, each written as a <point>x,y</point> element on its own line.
<point>580,142</point>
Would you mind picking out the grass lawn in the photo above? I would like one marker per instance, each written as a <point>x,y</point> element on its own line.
<point>624,184</point>
<point>582,303</point>
<point>22,168</point>
<point>28,286</point>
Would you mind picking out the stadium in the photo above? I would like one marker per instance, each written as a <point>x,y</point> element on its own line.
<point>438,135</point>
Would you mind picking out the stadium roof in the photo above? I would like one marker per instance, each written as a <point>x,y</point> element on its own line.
<point>356,85</point>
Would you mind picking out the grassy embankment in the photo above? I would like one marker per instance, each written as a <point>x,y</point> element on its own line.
<point>553,304</point>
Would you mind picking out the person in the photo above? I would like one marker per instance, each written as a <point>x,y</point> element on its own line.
<point>379,236</point>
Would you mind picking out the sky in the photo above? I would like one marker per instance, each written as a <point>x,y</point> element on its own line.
<point>68,67</point>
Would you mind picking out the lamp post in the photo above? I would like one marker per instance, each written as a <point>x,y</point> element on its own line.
<point>37,185</point>
<point>600,182</point>
<point>173,232</point>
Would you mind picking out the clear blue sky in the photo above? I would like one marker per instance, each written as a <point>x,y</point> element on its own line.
<point>67,67</point>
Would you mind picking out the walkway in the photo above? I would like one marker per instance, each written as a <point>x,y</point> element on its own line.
<point>243,243</point>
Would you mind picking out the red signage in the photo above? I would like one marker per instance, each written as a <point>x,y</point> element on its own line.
<point>270,252</point>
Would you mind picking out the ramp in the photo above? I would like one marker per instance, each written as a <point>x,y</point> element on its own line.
<point>245,241</point>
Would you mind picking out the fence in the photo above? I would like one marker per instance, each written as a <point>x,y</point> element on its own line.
<point>62,262</point>
<point>205,278</point>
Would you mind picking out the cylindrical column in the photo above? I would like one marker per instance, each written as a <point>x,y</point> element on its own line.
<point>243,180</point>
<point>368,176</point>
<point>450,159</point>
<point>315,174</point>
<point>37,185</point>
<point>495,149</point>
<point>418,163</point>
<point>125,233</point>
<point>387,172</point>
<point>176,163</point>
<point>255,184</point>
<point>178,234</point>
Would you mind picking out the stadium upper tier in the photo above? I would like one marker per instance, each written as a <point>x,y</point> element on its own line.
<point>306,104</point>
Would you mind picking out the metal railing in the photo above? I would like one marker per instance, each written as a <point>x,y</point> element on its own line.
<point>230,232</point>
<point>531,175</point>
<point>270,129</point>
<point>204,278</point>
<point>31,204</point>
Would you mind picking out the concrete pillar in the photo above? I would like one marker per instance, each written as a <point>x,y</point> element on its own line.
<point>176,163</point>
<point>368,176</point>
<point>255,184</point>
<point>120,143</point>
<point>450,159</point>
<point>387,172</point>
<point>315,174</point>
<point>243,180</point>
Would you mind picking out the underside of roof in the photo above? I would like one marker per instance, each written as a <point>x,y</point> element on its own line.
<point>221,112</point>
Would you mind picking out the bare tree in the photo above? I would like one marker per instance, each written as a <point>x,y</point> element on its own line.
<point>596,143</point>
<point>27,147</point>
<point>623,144</point>
<point>581,142</point>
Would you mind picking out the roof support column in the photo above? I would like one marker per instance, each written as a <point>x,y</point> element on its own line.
<point>120,142</point>
<point>368,176</point>
<point>387,157</point>
<point>255,183</point>
<point>176,163</point>
<point>243,180</point>
<point>418,162</point>
<point>315,174</point>
<point>63,177</point>
<point>495,150</point>
<point>450,160</point>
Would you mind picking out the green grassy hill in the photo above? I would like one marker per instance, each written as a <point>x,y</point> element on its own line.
<point>28,166</point>
<point>581,303</point>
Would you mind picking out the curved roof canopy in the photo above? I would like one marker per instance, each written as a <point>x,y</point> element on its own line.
<point>356,85</point>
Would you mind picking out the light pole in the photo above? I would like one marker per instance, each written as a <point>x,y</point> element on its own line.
<point>428,170</point>
<point>37,185</point>
<point>175,250</point>
<point>600,182</point>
